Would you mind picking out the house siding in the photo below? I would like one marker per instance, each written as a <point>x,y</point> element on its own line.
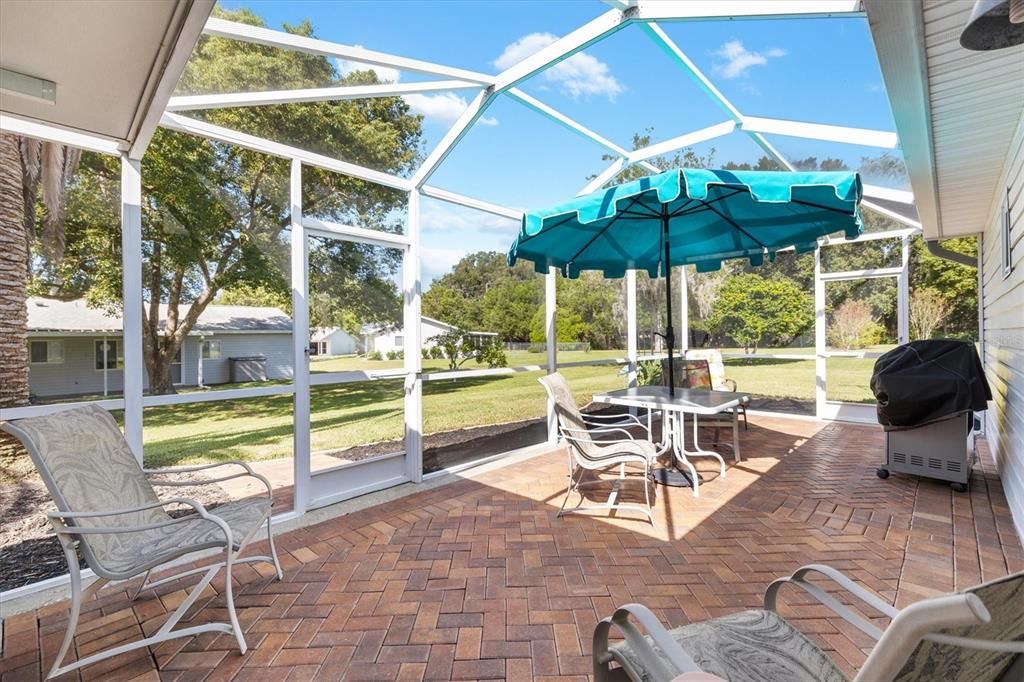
<point>77,374</point>
<point>1003,330</point>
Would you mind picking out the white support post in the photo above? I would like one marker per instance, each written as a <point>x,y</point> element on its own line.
<point>551,340</point>
<point>903,294</point>
<point>300,341</point>
<point>819,337</point>
<point>413,363</point>
<point>199,362</point>
<point>106,355</point>
<point>631,327</point>
<point>684,310</point>
<point>131,264</point>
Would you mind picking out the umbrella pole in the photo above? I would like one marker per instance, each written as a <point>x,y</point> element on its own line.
<point>670,332</point>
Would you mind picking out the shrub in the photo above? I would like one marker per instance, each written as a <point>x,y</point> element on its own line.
<point>853,326</point>
<point>425,352</point>
<point>374,355</point>
<point>436,353</point>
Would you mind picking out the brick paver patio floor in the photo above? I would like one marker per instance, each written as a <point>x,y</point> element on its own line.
<point>478,579</point>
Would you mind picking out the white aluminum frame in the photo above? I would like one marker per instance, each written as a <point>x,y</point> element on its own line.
<point>645,13</point>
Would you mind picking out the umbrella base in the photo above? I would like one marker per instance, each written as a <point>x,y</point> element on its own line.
<point>674,478</point>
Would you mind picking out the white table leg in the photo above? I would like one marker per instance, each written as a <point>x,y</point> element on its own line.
<point>736,435</point>
<point>679,432</point>
<point>698,451</point>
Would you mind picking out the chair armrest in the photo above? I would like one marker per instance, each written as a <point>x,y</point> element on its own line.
<point>585,435</point>
<point>731,383</point>
<point>150,473</point>
<point>631,420</point>
<point>198,467</point>
<point>824,598</point>
<point>670,662</point>
<point>59,517</point>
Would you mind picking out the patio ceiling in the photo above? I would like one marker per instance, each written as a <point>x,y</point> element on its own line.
<point>955,110</point>
<point>114,63</point>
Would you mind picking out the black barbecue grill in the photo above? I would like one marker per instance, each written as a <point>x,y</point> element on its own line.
<point>927,393</point>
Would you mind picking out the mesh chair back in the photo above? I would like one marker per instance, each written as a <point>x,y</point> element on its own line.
<point>716,366</point>
<point>698,374</point>
<point>1004,599</point>
<point>88,467</point>
<point>568,414</point>
<point>680,370</point>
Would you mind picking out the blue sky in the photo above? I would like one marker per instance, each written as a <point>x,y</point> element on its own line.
<point>818,70</point>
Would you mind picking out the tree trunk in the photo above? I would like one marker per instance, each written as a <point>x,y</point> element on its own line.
<point>13,287</point>
<point>13,277</point>
<point>160,381</point>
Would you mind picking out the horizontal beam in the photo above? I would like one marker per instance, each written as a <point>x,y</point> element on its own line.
<point>258,144</point>
<point>563,120</point>
<point>470,202</point>
<point>289,41</point>
<point>689,10</point>
<point>677,143</point>
<point>27,127</point>
<point>819,131</point>
<point>900,196</point>
<point>583,37</point>
<point>325,228</point>
<point>881,210</point>
<point>253,99</point>
<point>870,273</point>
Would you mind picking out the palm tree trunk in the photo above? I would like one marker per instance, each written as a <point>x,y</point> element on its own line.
<point>13,288</point>
<point>13,277</point>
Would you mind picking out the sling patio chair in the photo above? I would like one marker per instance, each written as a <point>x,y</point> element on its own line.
<point>592,448</point>
<point>715,378</point>
<point>108,510</point>
<point>972,636</point>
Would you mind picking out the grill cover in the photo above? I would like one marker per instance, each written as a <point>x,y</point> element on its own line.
<point>926,381</point>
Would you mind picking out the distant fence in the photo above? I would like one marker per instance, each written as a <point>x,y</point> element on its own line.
<point>542,347</point>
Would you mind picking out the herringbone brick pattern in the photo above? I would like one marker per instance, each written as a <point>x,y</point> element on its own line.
<point>479,580</point>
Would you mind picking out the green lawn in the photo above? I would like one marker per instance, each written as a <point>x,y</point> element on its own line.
<point>365,412</point>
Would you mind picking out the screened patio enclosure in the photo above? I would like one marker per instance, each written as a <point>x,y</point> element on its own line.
<point>319,482</point>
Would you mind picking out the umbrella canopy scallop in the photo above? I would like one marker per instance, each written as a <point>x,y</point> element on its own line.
<point>707,216</point>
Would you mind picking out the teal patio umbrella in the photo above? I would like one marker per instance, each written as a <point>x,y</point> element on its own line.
<point>689,216</point>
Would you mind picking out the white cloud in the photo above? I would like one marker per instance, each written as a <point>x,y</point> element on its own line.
<point>581,75</point>
<point>437,262</point>
<point>739,59</point>
<point>443,108</point>
<point>439,216</point>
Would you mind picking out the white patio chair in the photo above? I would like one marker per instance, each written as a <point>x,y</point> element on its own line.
<point>973,636</point>
<point>587,454</point>
<point>108,510</point>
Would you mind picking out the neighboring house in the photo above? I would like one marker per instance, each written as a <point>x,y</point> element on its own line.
<point>383,339</point>
<point>333,341</point>
<point>78,350</point>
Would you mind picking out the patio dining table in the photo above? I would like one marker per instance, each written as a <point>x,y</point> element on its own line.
<point>674,408</point>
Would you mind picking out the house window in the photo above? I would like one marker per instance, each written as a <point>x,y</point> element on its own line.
<point>113,358</point>
<point>46,352</point>
<point>399,341</point>
<point>1006,238</point>
<point>211,350</point>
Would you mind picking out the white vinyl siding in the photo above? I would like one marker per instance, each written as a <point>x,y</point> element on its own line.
<point>1003,324</point>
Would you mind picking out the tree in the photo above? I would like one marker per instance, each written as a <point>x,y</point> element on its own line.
<point>569,326</point>
<point>215,216</point>
<point>928,310</point>
<point>954,283</point>
<point>509,305</point>
<point>459,346</point>
<point>851,325</point>
<point>246,293</point>
<point>752,308</point>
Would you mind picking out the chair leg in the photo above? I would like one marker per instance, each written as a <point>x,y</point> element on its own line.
<point>273,551</point>
<point>230,599</point>
<point>76,607</point>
